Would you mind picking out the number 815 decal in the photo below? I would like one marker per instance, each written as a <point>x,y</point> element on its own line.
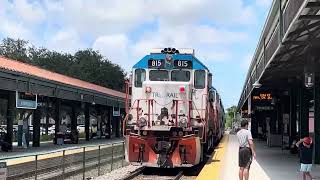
<point>183,64</point>
<point>156,63</point>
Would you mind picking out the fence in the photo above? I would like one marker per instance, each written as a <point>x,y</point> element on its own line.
<point>72,163</point>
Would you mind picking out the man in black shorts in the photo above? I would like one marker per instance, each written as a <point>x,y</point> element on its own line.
<point>246,150</point>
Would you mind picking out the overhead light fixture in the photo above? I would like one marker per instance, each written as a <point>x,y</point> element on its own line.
<point>256,84</point>
<point>309,73</point>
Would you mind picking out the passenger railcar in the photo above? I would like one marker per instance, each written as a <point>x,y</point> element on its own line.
<point>175,114</point>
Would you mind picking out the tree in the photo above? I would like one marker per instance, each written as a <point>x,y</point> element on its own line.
<point>14,49</point>
<point>87,65</point>
<point>231,111</point>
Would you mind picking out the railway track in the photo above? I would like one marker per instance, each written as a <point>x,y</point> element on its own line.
<point>147,173</point>
<point>144,174</point>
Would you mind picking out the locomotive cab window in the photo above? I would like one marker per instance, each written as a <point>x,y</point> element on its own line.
<point>199,79</point>
<point>139,77</point>
<point>159,75</point>
<point>180,75</point>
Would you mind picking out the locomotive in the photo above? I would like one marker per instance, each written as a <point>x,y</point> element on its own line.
<point>175,115</point>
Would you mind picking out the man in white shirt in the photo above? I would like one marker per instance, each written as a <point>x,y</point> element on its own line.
<point>246,150</point>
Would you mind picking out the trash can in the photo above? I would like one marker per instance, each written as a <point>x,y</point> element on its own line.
<point>60,138</point>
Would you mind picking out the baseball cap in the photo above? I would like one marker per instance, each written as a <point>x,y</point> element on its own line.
<point>307,140</point>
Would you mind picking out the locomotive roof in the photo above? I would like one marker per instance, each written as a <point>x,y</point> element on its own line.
<point>197,64</point>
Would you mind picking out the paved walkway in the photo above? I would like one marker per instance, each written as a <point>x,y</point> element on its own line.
<point>49,146</point>
<point>271,163</point>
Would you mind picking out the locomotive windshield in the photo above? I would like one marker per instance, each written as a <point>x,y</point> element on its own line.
<point>180,75</point>
<point>199,79</point>
<point>139,77</point>
<point>159,75</point>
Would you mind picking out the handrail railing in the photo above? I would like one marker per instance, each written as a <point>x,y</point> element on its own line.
<point>80,162</point>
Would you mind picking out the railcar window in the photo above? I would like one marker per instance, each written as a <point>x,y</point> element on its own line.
<point>159,75</point>
<point>180,75</point>
<point>199,79</point>
<point>139,77</point>
<point>212,96</point>
<point>210,80</point>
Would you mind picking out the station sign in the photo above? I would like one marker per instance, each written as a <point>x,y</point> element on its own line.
<point>264,108</point>
<point>26,100</point>
<point>262,97</point>
<point>3,170</point>
<point>116,111</point>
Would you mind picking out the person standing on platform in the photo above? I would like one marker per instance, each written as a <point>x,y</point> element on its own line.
<point>246,150</point>
<point>306,150</point>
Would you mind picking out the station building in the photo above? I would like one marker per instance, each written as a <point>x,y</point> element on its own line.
<point>39,105</point>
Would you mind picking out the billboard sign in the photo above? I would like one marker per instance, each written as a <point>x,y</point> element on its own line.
<point>26,100</point>
<point>116,111</point>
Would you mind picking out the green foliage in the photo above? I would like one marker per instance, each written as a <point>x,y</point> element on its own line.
<point>46,137</point>
<point>14,49</point>
<point>87,65</point>
<point>230,115</point>
<point>82,135</point>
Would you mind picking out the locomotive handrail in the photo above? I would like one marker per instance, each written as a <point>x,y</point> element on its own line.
<point>203,120</point>
<point>131,108</point>
<point>126,118</point>
<point>202,101</point>
<point>127,96</point>
<point>203,127</point>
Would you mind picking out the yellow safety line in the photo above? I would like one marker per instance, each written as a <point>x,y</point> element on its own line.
<point>213,166</point>
<point>31,158</point>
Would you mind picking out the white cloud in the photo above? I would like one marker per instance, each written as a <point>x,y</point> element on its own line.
<point>100,17</point>
<point>217,11</point>
<point>211,43</point>
<point>28,11</point>
<point>115,48</point>
<point>65,40</point>
<point>14,30</point>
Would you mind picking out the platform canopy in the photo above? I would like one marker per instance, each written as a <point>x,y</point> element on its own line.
<point>287,48</point>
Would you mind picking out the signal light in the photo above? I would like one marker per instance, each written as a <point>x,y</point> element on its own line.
<point>148,89</point>
<point>182,89</point>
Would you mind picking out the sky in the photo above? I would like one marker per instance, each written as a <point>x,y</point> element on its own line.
<point>224,33</point>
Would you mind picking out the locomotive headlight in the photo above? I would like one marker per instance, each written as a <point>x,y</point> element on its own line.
<point>174,133</point>
<point>183,122</point>
<point>180,133</point>
<point>144,133</point>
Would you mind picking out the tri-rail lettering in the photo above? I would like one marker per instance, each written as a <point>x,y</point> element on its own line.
<point>165,95</point>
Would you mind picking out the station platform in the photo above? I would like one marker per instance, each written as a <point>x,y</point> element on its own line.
<point>49,146</point>
<point>271,163</point>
